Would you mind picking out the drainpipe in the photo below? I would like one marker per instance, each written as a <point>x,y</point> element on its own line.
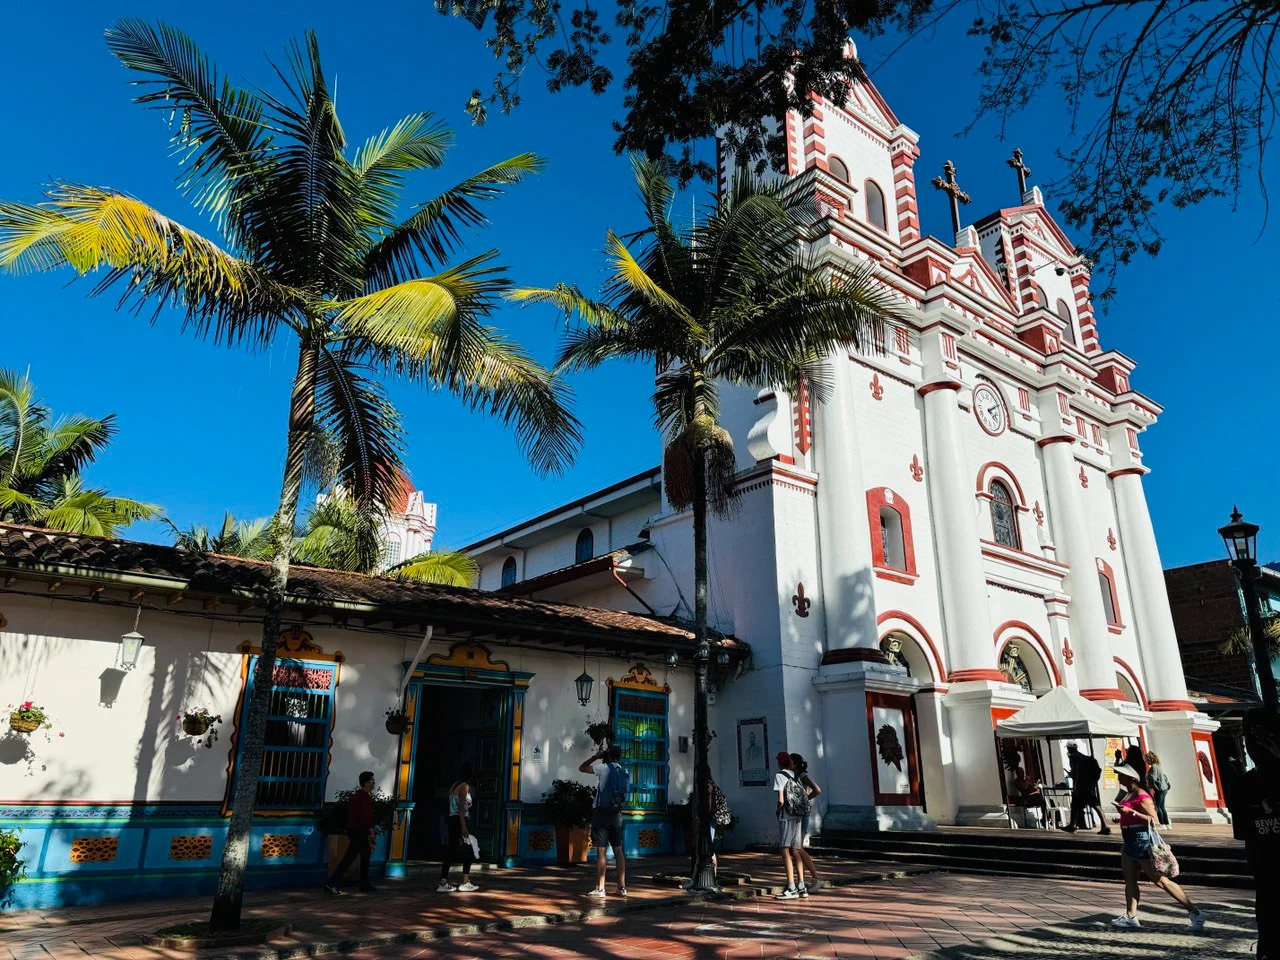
<point>627,587</point>
<point>413,665</point>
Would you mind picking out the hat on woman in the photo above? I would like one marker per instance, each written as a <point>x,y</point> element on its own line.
<point>1124,770</point>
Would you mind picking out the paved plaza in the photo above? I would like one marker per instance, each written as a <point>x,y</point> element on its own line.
<point>875,911</point>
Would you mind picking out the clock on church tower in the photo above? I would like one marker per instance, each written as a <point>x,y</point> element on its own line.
<point>989,408</point>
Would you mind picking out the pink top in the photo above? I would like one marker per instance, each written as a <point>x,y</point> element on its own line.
<point>1127,807</point>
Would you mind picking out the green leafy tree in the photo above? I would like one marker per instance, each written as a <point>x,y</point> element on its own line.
<point>735,298</point>
<point>337,536</point>
<point>41,460</point>
<point>250,539</point>
<point>312,249</point>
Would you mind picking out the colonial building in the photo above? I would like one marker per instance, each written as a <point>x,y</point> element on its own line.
<point>960,528</point>
<point>117,640</point>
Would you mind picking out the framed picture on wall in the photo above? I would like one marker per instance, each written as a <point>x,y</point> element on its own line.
<point>753,752</point>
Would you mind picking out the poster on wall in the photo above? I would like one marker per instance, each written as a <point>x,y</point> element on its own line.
<point>1204,761</point>
<point>1110,782</point>
<point>753,752</point>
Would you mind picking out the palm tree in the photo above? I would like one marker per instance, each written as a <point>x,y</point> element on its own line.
<point>250,539</point>
<point>734,299</point>
<point>41,461</point>
<point>337,536</point>
<point>311,248</point>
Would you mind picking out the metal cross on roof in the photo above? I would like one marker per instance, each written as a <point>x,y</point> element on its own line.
<point>947,184</point>
<point>1023,171</point>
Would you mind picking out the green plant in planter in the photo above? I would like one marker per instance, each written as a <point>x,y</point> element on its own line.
<point>11,867</point>
<point>333,815</point>
<point>600,731</point>
<point>569,802</point>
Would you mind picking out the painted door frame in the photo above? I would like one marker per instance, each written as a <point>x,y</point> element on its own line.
<point>463,665</point>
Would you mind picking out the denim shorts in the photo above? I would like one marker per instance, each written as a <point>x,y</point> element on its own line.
<point>1137,842</point>
<point>606,829</point>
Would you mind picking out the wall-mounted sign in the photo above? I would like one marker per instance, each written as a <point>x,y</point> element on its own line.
<point>753,752</point>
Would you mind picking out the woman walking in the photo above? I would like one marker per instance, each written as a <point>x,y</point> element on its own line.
<point>458,846</point>
<point>1158,780</point>
<point>1137,827</point>
<point>801,768</point>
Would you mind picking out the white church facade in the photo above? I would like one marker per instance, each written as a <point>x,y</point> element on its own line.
<point>959,528</point>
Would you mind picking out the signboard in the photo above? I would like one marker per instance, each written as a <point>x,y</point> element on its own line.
<point>753,752</point>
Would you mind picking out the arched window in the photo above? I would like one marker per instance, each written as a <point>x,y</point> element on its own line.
<point>875,205</point>
<point>1110,604</point>
<point>1004,516</point>
<point>1068,325</point>
<point>391,551</point>
<point>836,167</point>
<point>508,571</point>
<point>585,548</point>
<point>1040,299</point>
<point>891,539</point>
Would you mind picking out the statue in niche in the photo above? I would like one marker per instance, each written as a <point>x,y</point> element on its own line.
<point>1013,669</point>
<point>891,647</point>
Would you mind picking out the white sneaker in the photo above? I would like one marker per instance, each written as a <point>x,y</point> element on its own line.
<point>1126,922</point>
<point>803,891</point>
<point>1196,921</point>
<point>467,887</point>
<point>791,893</point>
<point>598,892</point>
<point>445,887</point>
<point>622,891</point>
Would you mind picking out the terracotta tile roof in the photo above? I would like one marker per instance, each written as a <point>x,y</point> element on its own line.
<point>100,559</point>
<point>606,561</point>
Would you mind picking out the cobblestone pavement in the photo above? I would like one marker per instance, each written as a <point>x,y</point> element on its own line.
<point>942,915</point>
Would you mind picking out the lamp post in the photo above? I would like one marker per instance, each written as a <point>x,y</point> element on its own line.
<point>1241,537</point>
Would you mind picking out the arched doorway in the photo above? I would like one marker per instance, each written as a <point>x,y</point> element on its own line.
<point>905,642</point>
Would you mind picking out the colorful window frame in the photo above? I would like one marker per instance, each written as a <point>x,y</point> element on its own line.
<point>300,714</point>
<point>640,720</point>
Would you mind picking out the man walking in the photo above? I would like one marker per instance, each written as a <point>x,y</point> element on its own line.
<point>614,784</point>
<point>1255,817</point>
<point>1085,774</point>
<point>360,824</point>
<point>793,807</point>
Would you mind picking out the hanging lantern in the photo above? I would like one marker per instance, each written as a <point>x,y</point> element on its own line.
<point>131,644</point>
<point>584,683</point>
<point>673,658</point>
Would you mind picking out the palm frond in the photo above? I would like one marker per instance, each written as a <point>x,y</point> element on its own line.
<point>417,142</point>
<point>434,231</point>
<point>91,510</point>
<point>445,567</point>
<point>222,140</point>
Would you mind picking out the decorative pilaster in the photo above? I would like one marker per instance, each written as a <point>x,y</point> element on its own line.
<point>964,588</point>
<point>904,154</point>
<point>1090,639</point>
<point>1084,310</point>
<point>844,537</point>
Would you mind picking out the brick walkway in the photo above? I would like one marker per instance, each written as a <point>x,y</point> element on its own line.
<point>959,917</point>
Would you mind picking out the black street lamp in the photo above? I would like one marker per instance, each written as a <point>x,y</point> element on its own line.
<point>1241,538</point>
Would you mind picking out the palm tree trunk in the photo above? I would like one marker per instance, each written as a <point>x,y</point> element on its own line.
<point>703,876</point>
<point>229,898</point>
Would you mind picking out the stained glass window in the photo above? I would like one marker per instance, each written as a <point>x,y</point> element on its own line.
<point>1004,517</point>
<point>508,571</point>
<point>640,720</point>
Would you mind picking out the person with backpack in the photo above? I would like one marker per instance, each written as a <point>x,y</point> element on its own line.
<point>1158,780</point>
<point>606,816</point>
<point>811,788</point>
<point>793,807</point>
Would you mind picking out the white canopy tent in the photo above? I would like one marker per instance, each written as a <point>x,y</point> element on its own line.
<point>1063,715</point>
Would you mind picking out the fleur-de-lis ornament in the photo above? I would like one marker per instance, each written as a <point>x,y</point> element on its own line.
<point>802,603</point>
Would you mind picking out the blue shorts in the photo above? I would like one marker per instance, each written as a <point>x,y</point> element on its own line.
<point>606,829</point>
<point>1137,843</point>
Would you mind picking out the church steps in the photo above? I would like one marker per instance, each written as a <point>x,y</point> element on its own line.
<point>1022,855</point>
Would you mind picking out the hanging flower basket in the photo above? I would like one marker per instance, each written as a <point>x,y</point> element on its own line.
<point>200,723</point>
<point>599,732</point>
<point>28,718</point>
<point>398,722</point>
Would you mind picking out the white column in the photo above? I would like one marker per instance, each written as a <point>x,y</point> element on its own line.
<point>844,539</point>
<point>1157,640</point>
<point>1087,623</point>
<point>965,615</point>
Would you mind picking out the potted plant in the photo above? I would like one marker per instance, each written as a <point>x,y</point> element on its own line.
<point>569,804</point>
<point>599,732</point>
<point>11,868</point>
<point>332,822</point>
<point>200,723</point>
<point>397,722</point>
<point>28,718</point>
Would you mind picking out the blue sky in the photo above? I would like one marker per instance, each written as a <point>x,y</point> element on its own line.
<point>201,428</point>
